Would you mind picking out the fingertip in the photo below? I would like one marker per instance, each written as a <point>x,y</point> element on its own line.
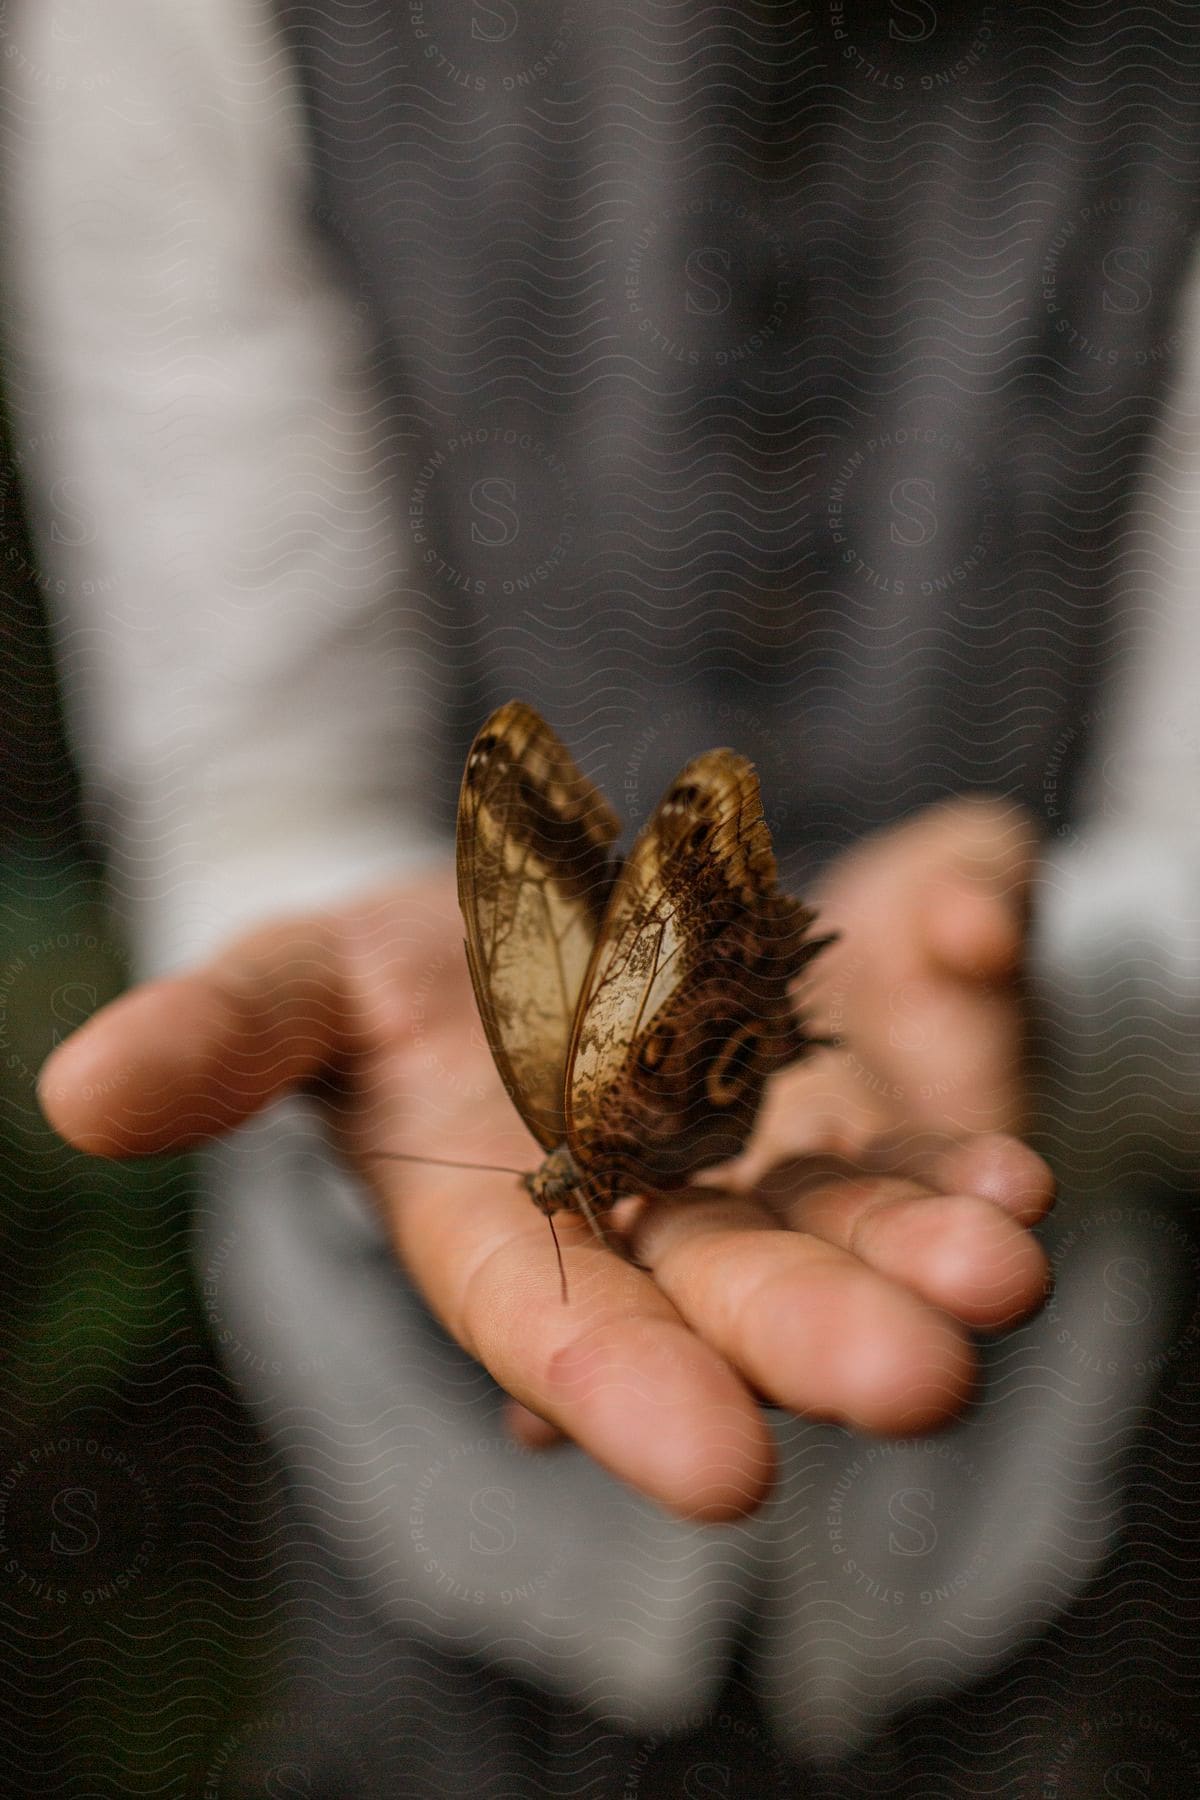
<point>971,933</point>
<point>669,1416</point>
<point>141,1076</point>
<point>53,1091</point>
<point>899,1395</point>
<point>528,1429</point>
<point>725,1473</point>
<point>965,1256</point>
<point>1003,1169</point>
<point>75,1086</point>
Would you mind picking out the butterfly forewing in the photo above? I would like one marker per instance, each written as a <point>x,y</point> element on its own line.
<point>685,1009</point>
<point>535,871</point>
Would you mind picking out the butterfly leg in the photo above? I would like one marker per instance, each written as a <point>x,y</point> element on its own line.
<point>589,1204</point>
<point>584,1205</point>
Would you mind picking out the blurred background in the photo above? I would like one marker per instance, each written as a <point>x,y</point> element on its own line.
<point>136,1502</point>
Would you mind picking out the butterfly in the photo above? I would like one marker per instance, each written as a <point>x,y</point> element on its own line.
<point>634,1010</point>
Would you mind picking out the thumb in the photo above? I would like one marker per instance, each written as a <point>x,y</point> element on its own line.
<point>976,936</point>
<point>188,1057</point>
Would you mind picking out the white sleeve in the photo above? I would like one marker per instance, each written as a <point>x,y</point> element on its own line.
<point>1116,945</point>
<point>207,472</point>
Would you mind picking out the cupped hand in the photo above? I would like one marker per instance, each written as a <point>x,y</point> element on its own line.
<point>842,1290</point>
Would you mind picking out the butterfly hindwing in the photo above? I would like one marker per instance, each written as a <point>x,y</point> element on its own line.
<point>686,1009</point>
<point>535,870</point>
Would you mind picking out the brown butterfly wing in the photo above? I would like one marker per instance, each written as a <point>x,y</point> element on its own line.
<point>686,1009</point>
<point>535,872</point>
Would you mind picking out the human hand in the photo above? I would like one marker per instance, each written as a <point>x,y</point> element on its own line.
<point>858,1312</point>
<point>922,989</point>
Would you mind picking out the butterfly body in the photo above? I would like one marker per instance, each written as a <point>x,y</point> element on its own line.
<point>555,1185</point>
<point>635,1010</point>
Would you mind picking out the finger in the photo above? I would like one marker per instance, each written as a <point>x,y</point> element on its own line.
<point>972,915</point>
<point>808,1324</point>
<point>999,1168</point>
<point>947,1049</point>
<point>185,1058</point>
<point>992,1165</point>
<point>821,1105</point>
<point>615,1369</point>
<point>527,1429</point>
<point>960,1252</point>
<point>977,936</point>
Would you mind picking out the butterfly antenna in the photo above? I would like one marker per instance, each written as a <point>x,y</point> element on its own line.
<point>441,1162</point>
<point>562,1273</point>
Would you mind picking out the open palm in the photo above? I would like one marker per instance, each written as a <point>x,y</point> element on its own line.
<point>837,1289</point>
